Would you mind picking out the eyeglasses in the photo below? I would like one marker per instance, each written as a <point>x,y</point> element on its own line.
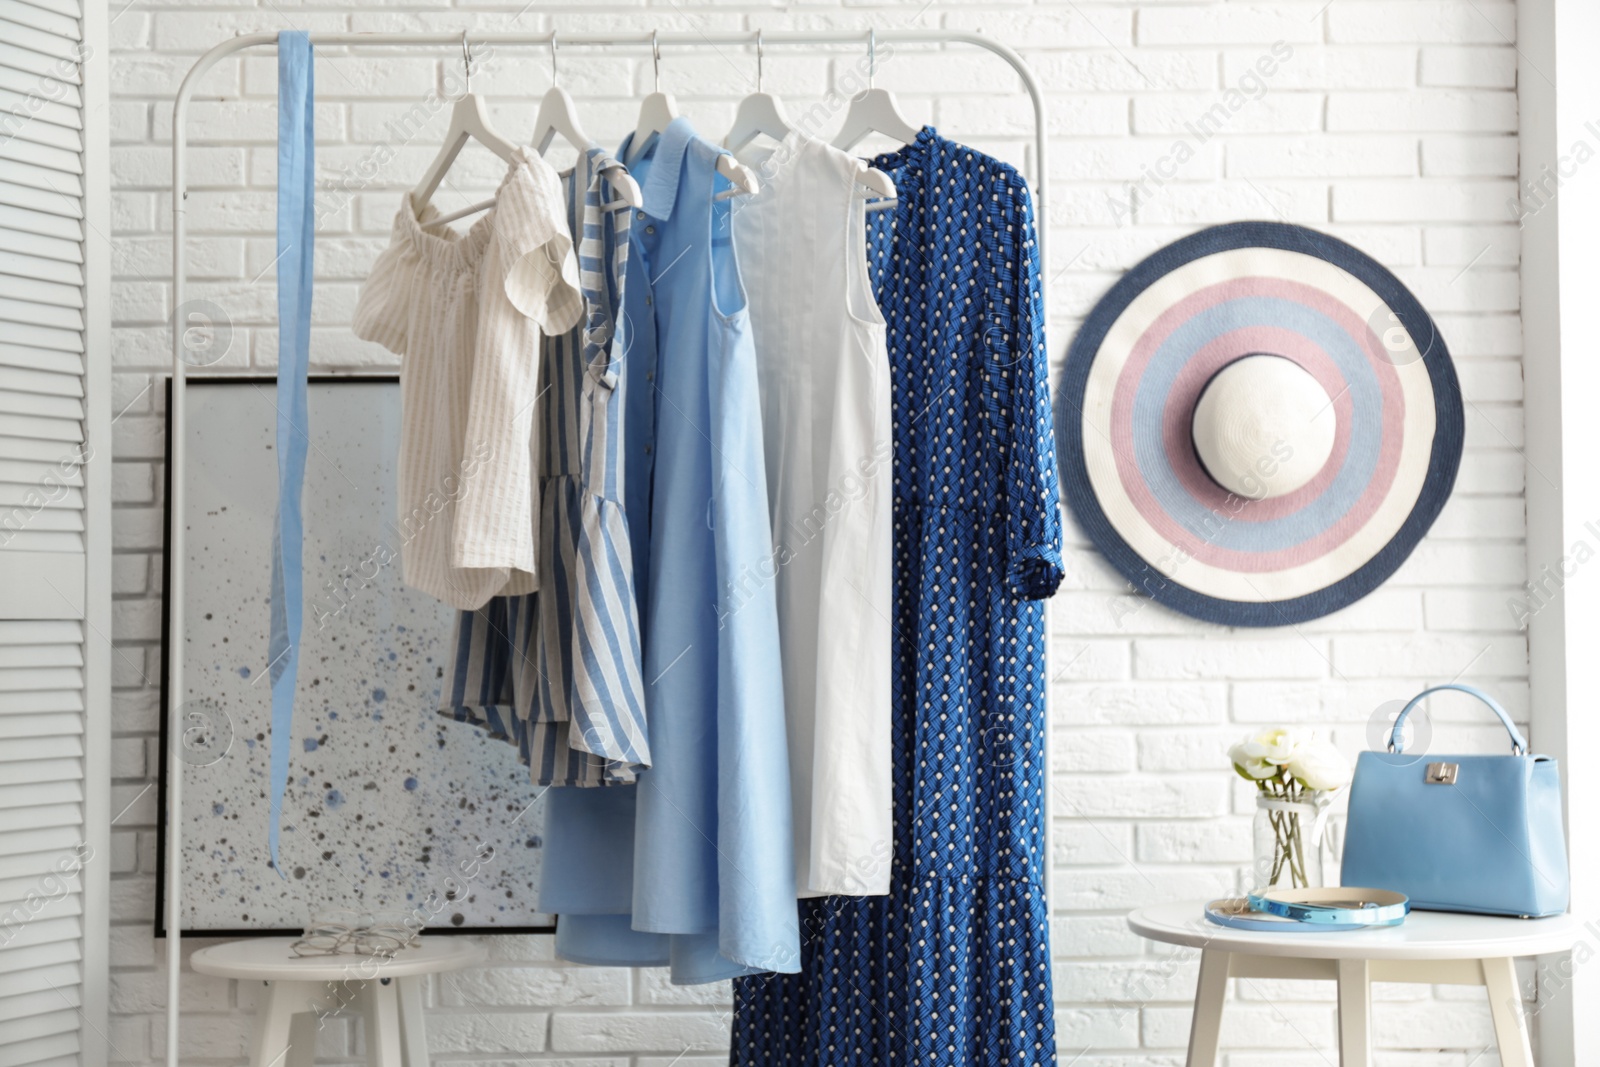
<point>366,936</point>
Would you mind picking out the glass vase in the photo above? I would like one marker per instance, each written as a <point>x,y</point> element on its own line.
<point>1288,841</point>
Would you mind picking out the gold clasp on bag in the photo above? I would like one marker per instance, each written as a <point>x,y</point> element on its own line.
<point>1442,773</point>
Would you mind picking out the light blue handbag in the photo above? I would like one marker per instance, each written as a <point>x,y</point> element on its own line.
<point>1459,833</point>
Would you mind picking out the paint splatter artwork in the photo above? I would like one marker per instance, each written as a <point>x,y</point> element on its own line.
<point>391,809</point>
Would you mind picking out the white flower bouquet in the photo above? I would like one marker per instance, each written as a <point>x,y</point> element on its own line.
<point>1296,774</point>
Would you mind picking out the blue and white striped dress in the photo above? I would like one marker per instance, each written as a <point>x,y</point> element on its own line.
<point>557,673</point>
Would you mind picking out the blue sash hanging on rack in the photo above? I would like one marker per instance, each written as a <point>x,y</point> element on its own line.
<point>296,226</point>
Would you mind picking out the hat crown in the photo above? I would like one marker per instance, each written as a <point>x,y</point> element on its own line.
<point>1263,426</point>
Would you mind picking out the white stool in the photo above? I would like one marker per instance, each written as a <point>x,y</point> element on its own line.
<point>1430,946</point>
<point>302,990</point>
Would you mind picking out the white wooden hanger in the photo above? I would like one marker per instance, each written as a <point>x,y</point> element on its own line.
<point>468,118</point>
<point>558,115</point>
<point>874,111</point>
<point>762,113</point>
<point>657,113</point>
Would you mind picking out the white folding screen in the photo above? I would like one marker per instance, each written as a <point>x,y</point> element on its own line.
<point>55,465</point>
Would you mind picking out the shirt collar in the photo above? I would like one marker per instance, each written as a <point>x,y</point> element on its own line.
<point>661,184</point>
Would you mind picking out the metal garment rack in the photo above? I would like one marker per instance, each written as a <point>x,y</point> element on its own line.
<point>644,41</point>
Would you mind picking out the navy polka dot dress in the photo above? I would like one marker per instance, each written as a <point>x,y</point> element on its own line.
<point>952,968</point>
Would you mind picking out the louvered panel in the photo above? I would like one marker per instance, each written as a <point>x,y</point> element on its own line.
<point>49,890</point>
<point>41,427</point>
<point>18,334</point>
<point>56,770</point>
<point>26,522</point>
<point>31,701</point>
<point>39,361</point>
<point>40,18</point>
<point>23,170</point>
<point>57,948</point>
<point>42,749</point>
<point>57,46</point>
<point>45,934</point>
<point>39,130</point>
<point>41,655</point>
<point>33,153</point>
<point>18,982</point>
<point>31,497</point>
<point>64,205</point>
<point>40,847</point>
<point>42,816</point>
<point>31,450</point>
<point>41,246</point>
<point>43,723</point>
<point>52,890</point>
<point>32,313</point>
<point>36,404</point>
<point>40,1039</point>
<point>62,93</point>
<point>56,894</point>
<point>12,796</point>
<point>22,265</point>
<point>50,998</point>
<point>16,474</point>
<point>26,218</point>
<point>51,632</point>
<point>67,470</point>
<point>32,115</point>
<point>43,292</point>
<point>60,723</point>
<point>39,679</point>
<point>44,382</point>
<point>70,8</point>
<point>46,542</point>
<point>37,63</point>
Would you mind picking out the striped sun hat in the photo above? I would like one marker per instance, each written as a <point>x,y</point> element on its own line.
<point>1257,424</point>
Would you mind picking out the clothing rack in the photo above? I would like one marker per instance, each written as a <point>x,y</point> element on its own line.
<point>646,42</point>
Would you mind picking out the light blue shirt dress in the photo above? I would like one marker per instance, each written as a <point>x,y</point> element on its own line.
<point>705,878</point>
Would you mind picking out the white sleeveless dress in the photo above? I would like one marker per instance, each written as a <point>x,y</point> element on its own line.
<point>824,377</point>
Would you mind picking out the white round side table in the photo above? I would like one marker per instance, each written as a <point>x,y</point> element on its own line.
<point>1430,946</point>
<point>302,991</point>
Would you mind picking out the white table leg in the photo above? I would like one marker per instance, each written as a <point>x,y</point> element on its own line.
<point>413,1036</point>
<point>1210,992</point>
<point>382,1009</point>
<point>1355,1014</point>
<point>303,1039</point>
<point>1505,1005</point>
<point>271,1044</point>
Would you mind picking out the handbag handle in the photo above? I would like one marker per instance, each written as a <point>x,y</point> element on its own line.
<point>1519,744</point>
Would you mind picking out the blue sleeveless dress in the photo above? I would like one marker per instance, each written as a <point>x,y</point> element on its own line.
<point>952,968</point>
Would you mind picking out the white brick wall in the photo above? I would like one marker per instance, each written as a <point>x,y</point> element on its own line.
<point>1391,124</point>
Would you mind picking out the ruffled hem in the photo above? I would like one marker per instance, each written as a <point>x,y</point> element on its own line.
<point>566,690</point>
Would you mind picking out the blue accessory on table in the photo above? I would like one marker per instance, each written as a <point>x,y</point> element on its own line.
<point>1459,833</point>
<point>296,225</point>
<point>1334,907</point>
<point>1309,911</point>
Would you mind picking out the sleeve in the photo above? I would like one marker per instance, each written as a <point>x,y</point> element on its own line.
<point>383,308</point>
<point>537,260</point>
<point>1033,491</point>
